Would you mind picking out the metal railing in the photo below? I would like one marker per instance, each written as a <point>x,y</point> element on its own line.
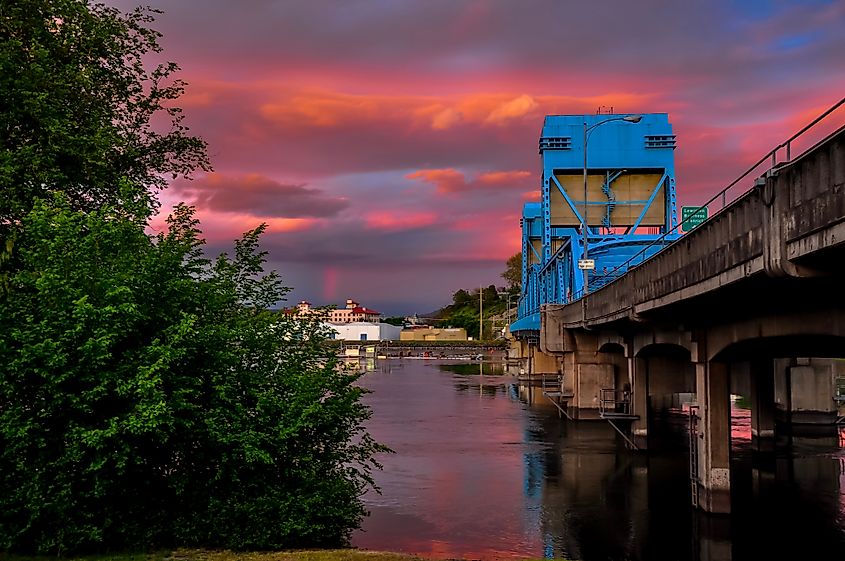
<point>614,402</point>
<point>771,156</point>
<point>722,198</point>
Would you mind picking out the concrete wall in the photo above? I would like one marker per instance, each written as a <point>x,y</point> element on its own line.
<point>590,380</point>
<point>434,334</point>
<point>805,389</point>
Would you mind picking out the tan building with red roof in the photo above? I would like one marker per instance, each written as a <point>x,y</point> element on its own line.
<point>352,313</point>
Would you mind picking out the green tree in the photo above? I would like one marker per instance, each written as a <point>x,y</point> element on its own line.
<point>490,295</point>
<point>149,398</point>
<point>77,103</point>
<point>461,297</point>
<point>513,272</point>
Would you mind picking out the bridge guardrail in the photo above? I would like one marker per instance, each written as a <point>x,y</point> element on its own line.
<point>728,194</point>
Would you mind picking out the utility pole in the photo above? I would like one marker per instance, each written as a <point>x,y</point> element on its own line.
<point>480,312</point>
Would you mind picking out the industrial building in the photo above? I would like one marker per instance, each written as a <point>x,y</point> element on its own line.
<point>428,333</point>
<point>365,331</point>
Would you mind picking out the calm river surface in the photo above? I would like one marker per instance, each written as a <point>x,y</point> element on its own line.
<point>481,473</point>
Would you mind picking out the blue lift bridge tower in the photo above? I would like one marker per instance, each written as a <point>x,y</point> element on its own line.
<point>607,195</point>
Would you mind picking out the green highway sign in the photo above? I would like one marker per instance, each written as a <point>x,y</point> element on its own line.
<point>692,216</point>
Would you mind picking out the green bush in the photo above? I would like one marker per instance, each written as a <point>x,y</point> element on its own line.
<point>148,398</point>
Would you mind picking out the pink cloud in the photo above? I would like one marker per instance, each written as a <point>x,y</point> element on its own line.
<point>513,109</point>
<point>453,181</point>
<point>392,221</point>
<point>315,129</point>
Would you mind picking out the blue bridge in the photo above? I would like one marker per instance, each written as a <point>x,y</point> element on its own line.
<point>607,195</point>
<point>620,314</point>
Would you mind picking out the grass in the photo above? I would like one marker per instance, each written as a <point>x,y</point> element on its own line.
<point>206,555</point>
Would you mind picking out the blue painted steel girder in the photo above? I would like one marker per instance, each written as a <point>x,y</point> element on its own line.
<point>630,205</point>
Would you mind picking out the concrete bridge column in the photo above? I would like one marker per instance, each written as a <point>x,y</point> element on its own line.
<point>638,372</point>
<point>805,390</point>
<point>762,377</point>
<point>713,437</point>
<point>545,363</point>
<point>813,386</point>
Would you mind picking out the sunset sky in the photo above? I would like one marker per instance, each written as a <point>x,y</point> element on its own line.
<point>390,144</point>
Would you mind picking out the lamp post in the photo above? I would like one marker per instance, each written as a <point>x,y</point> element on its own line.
<point>587,129</point>
<point>508,312</point>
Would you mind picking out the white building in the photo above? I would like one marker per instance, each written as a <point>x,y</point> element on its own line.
<point>365,331</point>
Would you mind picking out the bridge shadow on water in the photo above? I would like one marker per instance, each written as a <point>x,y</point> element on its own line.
<point>485,469</point>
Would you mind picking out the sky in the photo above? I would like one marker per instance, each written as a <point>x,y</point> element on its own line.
<point>390,144</point>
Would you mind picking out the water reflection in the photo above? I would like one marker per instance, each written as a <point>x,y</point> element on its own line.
<point>486,470</point>
<point>475,368</point>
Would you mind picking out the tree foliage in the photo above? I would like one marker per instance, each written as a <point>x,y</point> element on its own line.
<point>464,310</point>
<point>78,106</point>
<point>148,398</point>
<point>461,297</point>
<point>513,272</point>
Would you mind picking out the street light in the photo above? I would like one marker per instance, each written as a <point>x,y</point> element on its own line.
<point>628,119</point>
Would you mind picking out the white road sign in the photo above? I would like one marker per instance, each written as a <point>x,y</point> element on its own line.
<point>586,264</point>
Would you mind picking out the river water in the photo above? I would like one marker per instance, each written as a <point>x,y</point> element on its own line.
<point>484,469</point>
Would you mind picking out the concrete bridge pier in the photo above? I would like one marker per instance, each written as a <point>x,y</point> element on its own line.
<point>544,363</point>
<point>712,485</point>
<point>588,363</point>
<point>804,392</point>
<point>762,379</point>
<point>638,373</point>
<point>712,538</point>
<point>533,360</point>
<point>661,377</point>
<point>585,374</point>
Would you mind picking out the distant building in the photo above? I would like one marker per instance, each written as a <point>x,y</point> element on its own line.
<point>428,333</point>
<point>303,309</point>
<point>365,331</point>
<point>353,312</point>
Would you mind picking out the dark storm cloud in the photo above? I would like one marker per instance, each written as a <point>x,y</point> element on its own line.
<point>259,196</point>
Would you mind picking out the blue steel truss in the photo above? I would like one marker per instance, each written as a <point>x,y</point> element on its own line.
<point>630,203</point>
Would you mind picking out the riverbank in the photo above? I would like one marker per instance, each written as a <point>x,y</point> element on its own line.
<point>404,345</point>
<point>207,555</point>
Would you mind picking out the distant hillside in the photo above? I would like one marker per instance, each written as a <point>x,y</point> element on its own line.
<point>463,311</point>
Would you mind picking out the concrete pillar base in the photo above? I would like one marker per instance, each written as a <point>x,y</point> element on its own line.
<point>712,535</point>
<point>716,499</point>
